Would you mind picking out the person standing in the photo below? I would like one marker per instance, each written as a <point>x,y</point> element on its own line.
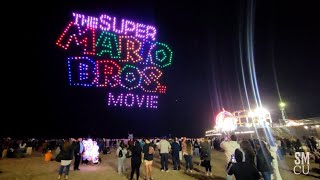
<point>164,147</point>
<point>136,151</point>
<point>229,146</point>
<point>147,158</point>
<point>206,155</point>
<point>121,153</point>
<point>29,147</point>
<point>187,154</point>
<point>196,147</point>
<point>249,154</point>
<point>66,154</point>
<point>243,170</point>
<point>78,150</point>
<point>273,151</point>
<point>175,154</point>
<point>264,160</point>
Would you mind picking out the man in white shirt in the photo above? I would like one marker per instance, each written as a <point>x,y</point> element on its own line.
<point>164,147</point>
<point>229,146</point>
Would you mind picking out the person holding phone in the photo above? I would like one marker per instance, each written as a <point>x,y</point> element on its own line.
<point>241,169</point>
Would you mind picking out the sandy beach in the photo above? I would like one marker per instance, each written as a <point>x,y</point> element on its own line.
<point>35,168</point>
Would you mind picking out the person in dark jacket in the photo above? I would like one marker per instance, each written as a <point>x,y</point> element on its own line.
<point>298,146</point>
<point>196,147</point>
<point>78,149</point>
<point>264,160</point>
<point>66,155</point>
<point>175,148</point>
<point>250,155</point>
<point>136,151</point>
<point>206,156</point>
<point>242,169</point>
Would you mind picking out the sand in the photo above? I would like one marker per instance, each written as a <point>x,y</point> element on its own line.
<point>35,168</point>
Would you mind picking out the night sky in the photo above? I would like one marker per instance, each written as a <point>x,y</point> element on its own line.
<point>204,78</point>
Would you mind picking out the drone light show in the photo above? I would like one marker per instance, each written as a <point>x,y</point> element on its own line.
<point>120,55</point>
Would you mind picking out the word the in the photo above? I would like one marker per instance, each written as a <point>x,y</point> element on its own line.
<point>301,162</point>
<point>129,100</point>
<point>119,26</point>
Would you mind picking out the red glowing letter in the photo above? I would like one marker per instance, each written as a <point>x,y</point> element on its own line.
<point>107,73</point>
<point>81,36</point>
<point>150,77</point>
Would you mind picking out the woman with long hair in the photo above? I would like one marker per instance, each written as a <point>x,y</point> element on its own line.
<point>264,160</point>
<point>249,154</point>
<point>187,153</point>
<point>206,156</point>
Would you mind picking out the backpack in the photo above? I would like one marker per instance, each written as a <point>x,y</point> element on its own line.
<point>120,153</point>
<point>150,150</point>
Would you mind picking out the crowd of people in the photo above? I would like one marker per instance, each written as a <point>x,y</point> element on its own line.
<point>246,158</point>
<point>142,151</point>
<point>288,146</point>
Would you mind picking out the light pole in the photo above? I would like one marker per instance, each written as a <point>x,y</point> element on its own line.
<point>282,106</point>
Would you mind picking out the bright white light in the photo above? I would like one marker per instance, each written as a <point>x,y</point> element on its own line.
<point>293,123</point>
<point>228,124</point>
<point>282,104</point>
<point>261,120</point>
<point>217,134</point>
<point>244,132</point>
<point>91,152</point>
<point>225,121</point>
<point>317,126</point>
<point>261,112</point>
<point>251,114</point>
<point>258,112</point>
<point>249,125</point>
<point>306,127</point>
